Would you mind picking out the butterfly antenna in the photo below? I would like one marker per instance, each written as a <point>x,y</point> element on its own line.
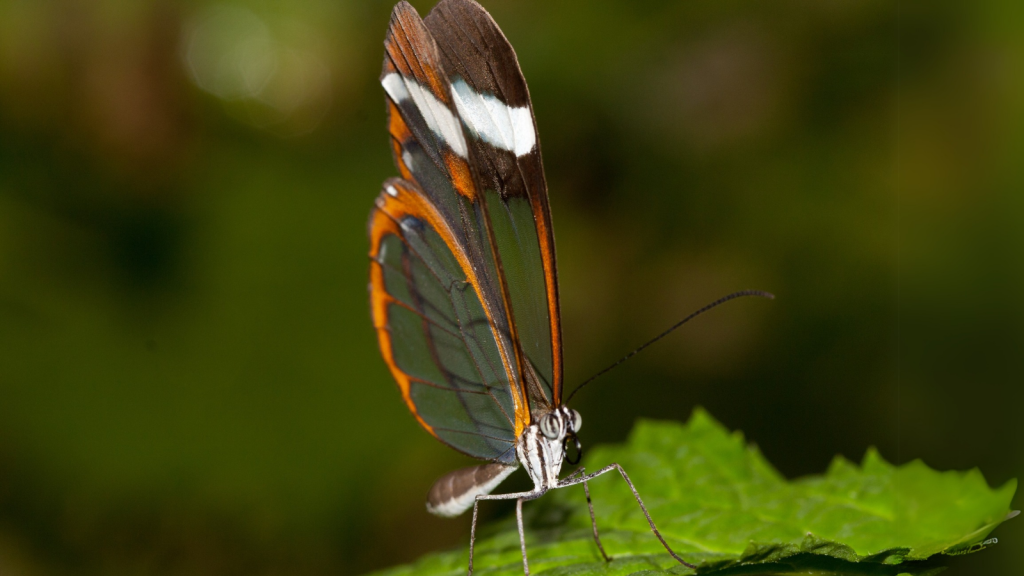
<point>722,300</point>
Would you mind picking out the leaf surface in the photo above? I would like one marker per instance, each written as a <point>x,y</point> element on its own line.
<point>723,507</point>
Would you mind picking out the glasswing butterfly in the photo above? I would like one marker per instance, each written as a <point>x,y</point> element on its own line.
<point>463,282</point>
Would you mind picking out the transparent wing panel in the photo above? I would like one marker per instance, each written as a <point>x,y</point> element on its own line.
<point>436,335</point>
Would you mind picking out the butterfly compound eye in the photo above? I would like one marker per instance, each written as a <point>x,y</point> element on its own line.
<point>577,421</point>
<point>550,426</point>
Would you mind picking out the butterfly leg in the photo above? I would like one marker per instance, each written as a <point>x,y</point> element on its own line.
<point>519,497</point>
<point>567,481</point>
<point>593,523</point>
<point>522,535</point>
<point>583,479</point>
<point>575,474</point>
<point>472,536</point>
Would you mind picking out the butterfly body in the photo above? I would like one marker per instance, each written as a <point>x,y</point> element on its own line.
<point>463,281</point>
<point>540,450</point>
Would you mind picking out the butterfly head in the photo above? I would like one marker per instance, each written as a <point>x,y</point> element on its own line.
<point>561,425</point>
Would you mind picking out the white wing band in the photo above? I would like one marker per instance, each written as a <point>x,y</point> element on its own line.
<point>493,121</point>
<point>435,113</point>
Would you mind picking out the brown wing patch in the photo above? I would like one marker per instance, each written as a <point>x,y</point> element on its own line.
<point>412,52</point>
<point>485,58</point>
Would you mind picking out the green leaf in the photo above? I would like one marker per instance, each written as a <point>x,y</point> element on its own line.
<point>722,506</point>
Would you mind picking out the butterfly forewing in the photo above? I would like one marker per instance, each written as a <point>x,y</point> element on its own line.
<point>493,103</point>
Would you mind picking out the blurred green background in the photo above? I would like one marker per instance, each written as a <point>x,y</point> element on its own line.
<point>189,381</point>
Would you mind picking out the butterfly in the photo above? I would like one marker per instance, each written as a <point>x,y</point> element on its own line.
<point>463,281</point>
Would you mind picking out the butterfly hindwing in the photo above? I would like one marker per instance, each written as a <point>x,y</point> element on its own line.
<point>433,330</point>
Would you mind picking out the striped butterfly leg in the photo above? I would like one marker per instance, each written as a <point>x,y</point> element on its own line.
<point>519,497</point>
<point>593,522</point>
<point>583,480</point>
<point>590,506</point>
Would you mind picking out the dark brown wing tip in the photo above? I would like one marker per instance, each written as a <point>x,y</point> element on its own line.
<point>463,4</point>
<point>401,15</point>
<point>402,12</point>
<point>465,8</point>
<point>403,8</point>
<point>467,28</point>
